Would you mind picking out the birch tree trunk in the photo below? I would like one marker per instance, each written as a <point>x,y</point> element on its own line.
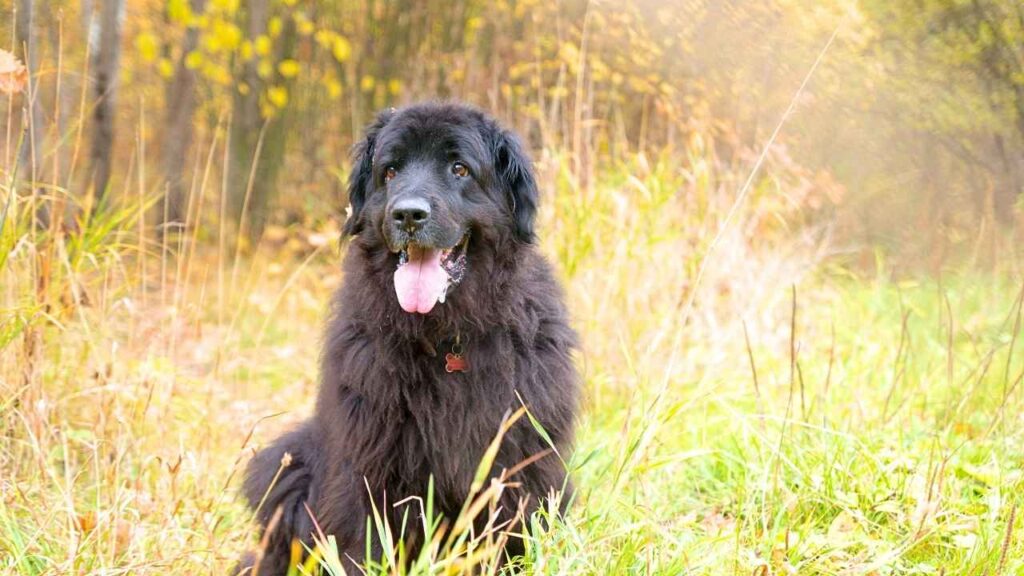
<point>30,153</point>
<point>258,144</point>
<point>246,125</point>
<point>180,102</point>
<point>106,60</point>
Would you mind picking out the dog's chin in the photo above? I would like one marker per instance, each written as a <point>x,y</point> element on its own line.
<point>426,273</point>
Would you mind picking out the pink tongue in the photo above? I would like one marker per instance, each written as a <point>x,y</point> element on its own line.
<point>420,282</point>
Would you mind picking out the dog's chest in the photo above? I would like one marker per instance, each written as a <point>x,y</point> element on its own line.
<point>449,420</point>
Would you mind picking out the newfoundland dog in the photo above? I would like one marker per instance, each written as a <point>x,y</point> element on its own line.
<point>447,320</point>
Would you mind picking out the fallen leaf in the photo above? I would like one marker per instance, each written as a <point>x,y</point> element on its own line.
<point>843,529</point>
<point>13,74</point>
<point>715,522</point>
<point>86,522</point>
<point>966,541</point>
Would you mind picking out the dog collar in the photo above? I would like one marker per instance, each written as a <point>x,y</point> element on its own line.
<point>454,360</point>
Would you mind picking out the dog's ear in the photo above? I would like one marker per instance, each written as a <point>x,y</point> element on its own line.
<point>361,178</point>
<point>514,170</point>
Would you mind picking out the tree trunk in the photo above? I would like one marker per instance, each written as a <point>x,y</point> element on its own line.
<point>30,153</point>
<point>246,125</point>
<point>106,57</point>
<point>180,102</point>
<point>65,100</point>
<point>1009,183</point>
<point>255,139</point>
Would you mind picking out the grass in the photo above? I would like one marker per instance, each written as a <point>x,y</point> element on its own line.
<point>798,418</point>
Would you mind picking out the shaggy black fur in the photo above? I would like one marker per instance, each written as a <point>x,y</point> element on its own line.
<point>388,415</point>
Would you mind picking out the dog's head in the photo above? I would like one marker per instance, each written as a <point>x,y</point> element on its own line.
<point>429,182</point>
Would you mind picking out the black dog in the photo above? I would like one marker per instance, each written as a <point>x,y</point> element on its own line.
<point>447,316</point>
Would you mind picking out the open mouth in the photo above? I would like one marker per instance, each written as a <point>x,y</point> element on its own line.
<point>425,275</point>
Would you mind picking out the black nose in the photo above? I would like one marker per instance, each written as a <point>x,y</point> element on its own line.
<point>409,213</point>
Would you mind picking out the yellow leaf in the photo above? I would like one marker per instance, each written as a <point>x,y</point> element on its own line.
<point>263,46</point>
<point>367,83</point>
<point>228,35</point>
<point>325,38</point>
<point>274,27</point>
<point>304,26</point>
<point>178,11</point>
<point>265,69</point>
<point>165,68</point>
<point>288,68</point>
<point>218,74</point>
<point>395,87</point>
<point>228,6</point>
<point>147,46</point>
<point>212,43</point>
<point>342,49</point>
<point>333,87</point>
<point>278,96</point>
<point>194,60</point>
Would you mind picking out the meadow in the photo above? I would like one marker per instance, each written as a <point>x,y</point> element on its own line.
<point>752,406</point>
<point>790,235</point>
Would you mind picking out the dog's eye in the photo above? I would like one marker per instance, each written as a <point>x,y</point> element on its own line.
<point>389,173</point>
<point>460,170</point>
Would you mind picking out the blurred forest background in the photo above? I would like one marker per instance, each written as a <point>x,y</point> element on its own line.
<point>909,136</point>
